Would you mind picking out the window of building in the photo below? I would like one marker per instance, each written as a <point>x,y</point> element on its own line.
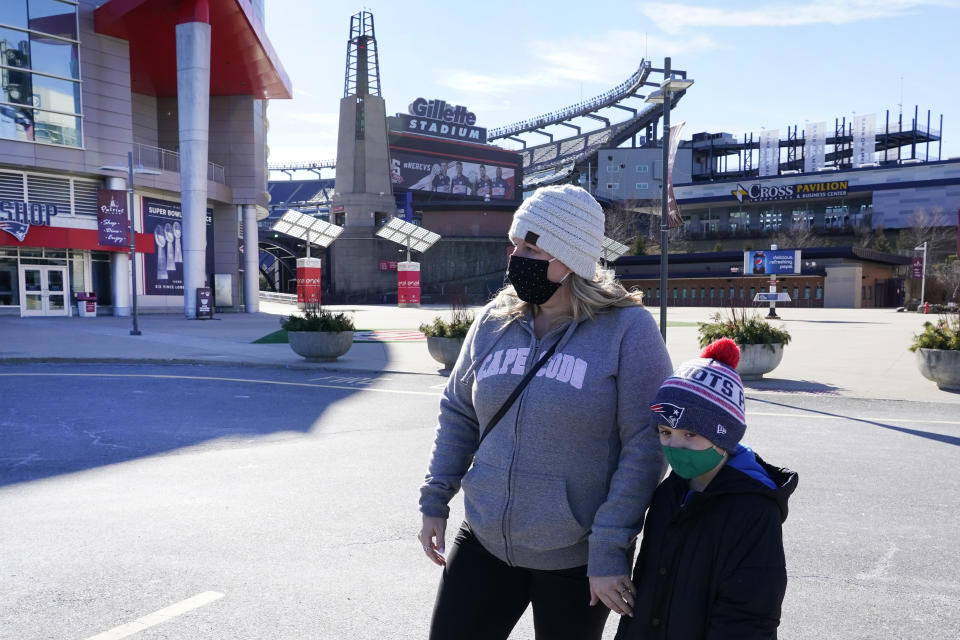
<point>643,168</point>
<point>612,186</point>
<point>648,293</point>
<point>713,293</point>
<point>819,292</point>
<point>683,293</point>
<point>771,219</point>
<point>643,186</point>
<point>674,293</point>
<point>40,72</point>
<point>802,217</point>
<point>741,292</point>
<point>612,168</point>
<point>753,292</point>
<point>739,221</point>
<point>658,292</point>
<point>703,293</point>
<point>806,292</point>
<point>836,217</point>
<point>796,293</point>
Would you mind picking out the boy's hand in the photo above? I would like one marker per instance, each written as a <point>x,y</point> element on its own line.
<point>617,592</point>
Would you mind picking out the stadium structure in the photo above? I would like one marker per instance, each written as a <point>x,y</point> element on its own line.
<point>835,184</point>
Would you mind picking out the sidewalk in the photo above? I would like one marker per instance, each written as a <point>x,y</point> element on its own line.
<point>859,353</point>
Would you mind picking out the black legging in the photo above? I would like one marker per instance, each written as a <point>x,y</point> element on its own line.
<point>482,598</point>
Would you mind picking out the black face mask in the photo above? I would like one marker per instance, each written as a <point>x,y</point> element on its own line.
<point>529,277</point>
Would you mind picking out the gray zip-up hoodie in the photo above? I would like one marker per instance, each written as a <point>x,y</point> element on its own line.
<point>565,477</point>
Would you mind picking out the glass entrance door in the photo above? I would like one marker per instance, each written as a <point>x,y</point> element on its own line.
<point>44,291</point>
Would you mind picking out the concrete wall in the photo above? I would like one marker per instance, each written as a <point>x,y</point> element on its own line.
<point>145,119</point>
<point>226,247</point>
<point>619,171</point>
<point>842,286</point>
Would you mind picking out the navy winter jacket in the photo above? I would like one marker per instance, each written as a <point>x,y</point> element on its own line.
<point>714,567</point>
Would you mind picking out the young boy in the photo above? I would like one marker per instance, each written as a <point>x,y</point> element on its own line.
<point>711,563</point>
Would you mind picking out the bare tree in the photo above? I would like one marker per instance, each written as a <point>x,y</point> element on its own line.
<point>931,226</point>
<point>633,222</point>
<point>947,276</point>
<point>800,234</point>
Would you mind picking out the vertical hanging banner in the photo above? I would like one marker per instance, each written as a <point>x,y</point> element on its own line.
<point>408,284</point>
<point>864,139</point>
<point>163,269</point>
<point>112,221</point>
<point>308,281</point>
<point>673,212</point>
<point>769,161</point>
<point>916,267</point>
<point>815,147</point>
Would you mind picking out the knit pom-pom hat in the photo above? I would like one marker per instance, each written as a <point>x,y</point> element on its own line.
<point>705,396</point>
<point>566,222</point>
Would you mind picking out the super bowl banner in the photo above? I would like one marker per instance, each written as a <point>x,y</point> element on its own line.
<point>864,139</point>
<point>463,178</point>
<point>815,147</point>
<point>769,161</point>
<point>163,269</point>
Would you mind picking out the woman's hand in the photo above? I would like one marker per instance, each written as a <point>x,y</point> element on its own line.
<point>617,592</point>
<point>431,537</point>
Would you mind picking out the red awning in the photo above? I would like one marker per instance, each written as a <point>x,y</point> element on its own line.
<point>64,238</point>
<point>242,61</point>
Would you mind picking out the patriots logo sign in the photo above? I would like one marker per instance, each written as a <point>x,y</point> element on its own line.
<point>670,413</point>
<point>17,229</point>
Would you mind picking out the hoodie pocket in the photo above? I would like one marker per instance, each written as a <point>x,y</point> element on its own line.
<point>540,514</point>
<point>484,496</point>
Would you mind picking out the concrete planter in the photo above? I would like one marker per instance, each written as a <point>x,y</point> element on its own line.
<point>940,365</point>
<point>320,346</point>
<point>758,359</point>
<point>445,350</point>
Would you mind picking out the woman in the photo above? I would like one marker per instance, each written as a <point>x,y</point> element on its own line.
<point>555,494</point>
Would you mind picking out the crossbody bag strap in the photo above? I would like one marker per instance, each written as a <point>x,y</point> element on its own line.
<point>516,392</point>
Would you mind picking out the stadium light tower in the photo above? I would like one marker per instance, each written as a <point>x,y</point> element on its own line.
<point>668,87</point>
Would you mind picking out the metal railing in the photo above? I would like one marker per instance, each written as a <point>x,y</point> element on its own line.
<point>166,160</point>
<point>286,298</point>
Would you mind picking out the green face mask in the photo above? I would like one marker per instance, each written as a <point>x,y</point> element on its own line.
<point>690,463</point>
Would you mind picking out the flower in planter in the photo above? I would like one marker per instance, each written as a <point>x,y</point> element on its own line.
<point>944,335</point>
<point>742,327</point>
<point>318,320</point>
<point>459,325</point>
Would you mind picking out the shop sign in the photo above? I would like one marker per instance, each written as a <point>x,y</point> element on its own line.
<point>808,190</point>
<point>771,262</point>
<point>112,220</point>
<point>388,265</point>
<point>439,118</point>
<point>17,216</point>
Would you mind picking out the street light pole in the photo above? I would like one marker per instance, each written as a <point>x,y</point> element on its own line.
<point>923,273</point>
<point>133,241</point>
<point>664,187</point>
<point>133,246</point>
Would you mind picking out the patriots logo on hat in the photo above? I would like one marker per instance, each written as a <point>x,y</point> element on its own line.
<point>17,229</point>
<point>669,413</point>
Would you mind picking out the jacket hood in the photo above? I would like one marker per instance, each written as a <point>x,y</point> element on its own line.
<point>741,477</point>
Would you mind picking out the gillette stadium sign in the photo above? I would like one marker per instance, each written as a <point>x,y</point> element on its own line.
<point>443,120</point>
<point>764,193</point>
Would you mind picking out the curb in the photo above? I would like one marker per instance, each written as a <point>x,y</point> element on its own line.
<point>321,366</point>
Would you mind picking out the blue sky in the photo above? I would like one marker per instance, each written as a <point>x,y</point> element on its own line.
<point>756,64</point>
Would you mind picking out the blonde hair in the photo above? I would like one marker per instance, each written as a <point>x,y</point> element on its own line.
<point>587,298</point>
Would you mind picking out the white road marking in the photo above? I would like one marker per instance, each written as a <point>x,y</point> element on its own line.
<point>213,378</point>
<point>882,565</point>
<point>155,618</point>
<point>884,419</point>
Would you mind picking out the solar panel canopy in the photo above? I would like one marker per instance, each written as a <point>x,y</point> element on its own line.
<point>305,227</point>
<point>403,232</point>
<point>611,249</point>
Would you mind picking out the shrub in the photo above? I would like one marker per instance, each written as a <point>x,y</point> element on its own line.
<point>458,326</point>
<point>945,334</point>
<point>743,328</point>
<point>320,320</point>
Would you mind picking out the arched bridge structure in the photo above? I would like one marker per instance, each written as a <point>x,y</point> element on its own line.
<point>566,153</point>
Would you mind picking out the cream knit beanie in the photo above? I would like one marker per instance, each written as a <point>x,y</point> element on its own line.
<point>568,224</point>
